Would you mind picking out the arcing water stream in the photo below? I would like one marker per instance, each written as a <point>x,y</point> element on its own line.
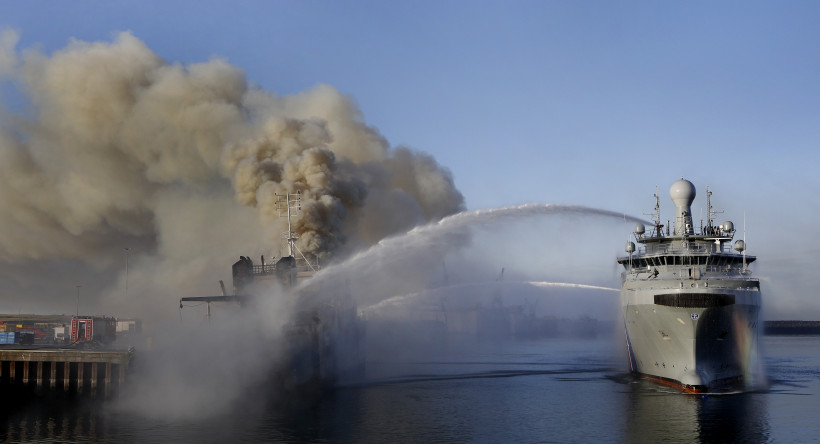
<point>446,235</point>
<point>395,300</point>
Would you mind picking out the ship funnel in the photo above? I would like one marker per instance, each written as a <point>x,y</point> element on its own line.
<point>682,193</point>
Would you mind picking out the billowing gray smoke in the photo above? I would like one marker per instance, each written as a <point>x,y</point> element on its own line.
<point>112,146</point>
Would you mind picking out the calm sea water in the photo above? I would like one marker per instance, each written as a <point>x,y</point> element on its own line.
<point>558,390</point>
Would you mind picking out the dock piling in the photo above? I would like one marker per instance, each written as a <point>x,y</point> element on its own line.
<point>35,364</point>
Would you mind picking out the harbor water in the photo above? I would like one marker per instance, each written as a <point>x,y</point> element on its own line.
<point>546,390</point>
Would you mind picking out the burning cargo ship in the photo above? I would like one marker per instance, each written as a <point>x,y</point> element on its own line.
<point>324,338</point>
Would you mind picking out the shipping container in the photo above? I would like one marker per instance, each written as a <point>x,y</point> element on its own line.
<point>93,328</point>
<point>8,338</point>
<point>129,326</point>
<point>59,334</point>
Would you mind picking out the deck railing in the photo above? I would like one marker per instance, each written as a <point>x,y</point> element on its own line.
<point>269,269</point>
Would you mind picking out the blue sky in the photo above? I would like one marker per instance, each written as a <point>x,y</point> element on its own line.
<point>590,103</point>
<point>529,101</point>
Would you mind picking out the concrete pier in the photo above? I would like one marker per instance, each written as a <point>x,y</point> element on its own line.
<point>67,368</point>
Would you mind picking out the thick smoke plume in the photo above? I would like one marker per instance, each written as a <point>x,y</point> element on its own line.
<point>115,147</point>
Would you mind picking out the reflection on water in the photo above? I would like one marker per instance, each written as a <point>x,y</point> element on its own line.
<point>547,391</point>
<point>51,417</point>
<point>658,414</point>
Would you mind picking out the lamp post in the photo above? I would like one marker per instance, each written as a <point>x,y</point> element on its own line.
<point>78,299</point>
<point>127,250</point>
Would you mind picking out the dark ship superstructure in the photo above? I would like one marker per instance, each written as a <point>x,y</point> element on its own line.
<point>324,338</point>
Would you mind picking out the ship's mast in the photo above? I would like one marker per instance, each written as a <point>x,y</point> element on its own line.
<point>288,204</point>
<point>744,242</point>
<point>656,213</point>
<point>710,211</point>
<point>657,208</point>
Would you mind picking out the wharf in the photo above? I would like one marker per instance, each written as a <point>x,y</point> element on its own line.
<point>791,328</point>
<point>70,369</point>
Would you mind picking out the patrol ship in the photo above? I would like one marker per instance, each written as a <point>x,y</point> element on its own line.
<point>690,303</point>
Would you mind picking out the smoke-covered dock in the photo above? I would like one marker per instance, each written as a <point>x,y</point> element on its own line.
<point>71,370</point>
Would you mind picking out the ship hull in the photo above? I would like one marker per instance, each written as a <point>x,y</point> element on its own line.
<point>325,346</point>
<point>696,340</point>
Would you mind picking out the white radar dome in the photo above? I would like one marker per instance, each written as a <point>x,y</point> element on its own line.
<point>728,226</point>
<point>682,193</point>
<point>639,229</point>
<point>630,247</point>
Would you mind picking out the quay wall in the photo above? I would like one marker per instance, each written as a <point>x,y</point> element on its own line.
<point>78,371</point>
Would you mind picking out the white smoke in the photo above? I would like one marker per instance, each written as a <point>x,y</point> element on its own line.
<point>118,148</point>
<point>8,57</point>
